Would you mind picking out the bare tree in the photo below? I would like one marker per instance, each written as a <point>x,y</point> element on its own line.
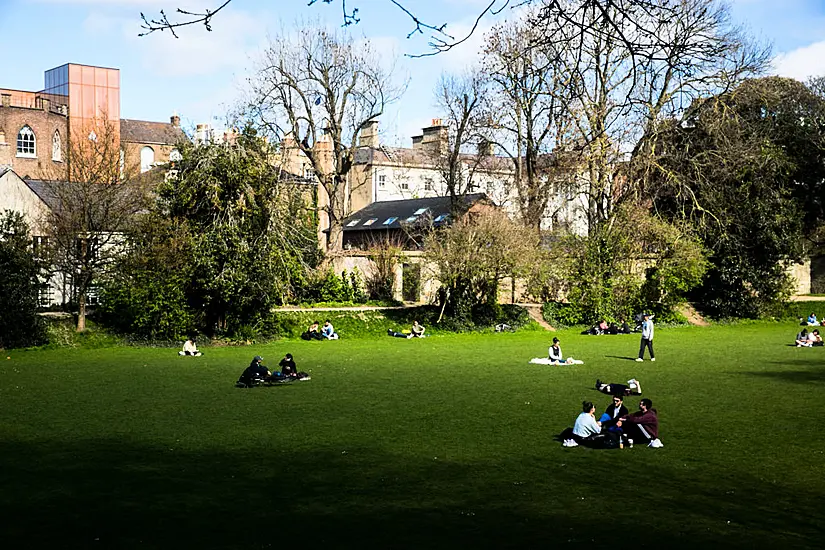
<point>439,39</point>
<point>462,152</point>
<point>534,127</point>
<point>91,208</point>
<point>632,65</point>
<point>316,89</point>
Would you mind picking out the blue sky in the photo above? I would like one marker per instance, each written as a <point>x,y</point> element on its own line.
<point>201,74</point>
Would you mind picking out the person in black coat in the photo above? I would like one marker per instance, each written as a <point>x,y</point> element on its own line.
<point>288,366</point>
<point>254,374</point>
<point>613,413</point>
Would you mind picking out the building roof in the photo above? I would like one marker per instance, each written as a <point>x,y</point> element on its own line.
<point>393,214</point>
<point>144,131</point>
<point>414,158</point>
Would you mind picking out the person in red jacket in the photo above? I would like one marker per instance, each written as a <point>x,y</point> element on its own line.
<point>643,425</point>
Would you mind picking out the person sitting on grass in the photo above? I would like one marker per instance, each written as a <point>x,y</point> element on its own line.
<point>812,322</point>
<point>610,417</point>
<point>802,339</point>
<point>633,387</point>
<point>643,425</point>
<point>254,374</point>
<point>189,348</point>
<point>415,327</point>
<point>814,338</point>
<point>289,370</point>
<point>328,331</point>
<point>417,331</point>
<point>312,333</point>
<point>586,430</point>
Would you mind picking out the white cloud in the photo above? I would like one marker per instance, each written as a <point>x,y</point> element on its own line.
<point>802,62</point>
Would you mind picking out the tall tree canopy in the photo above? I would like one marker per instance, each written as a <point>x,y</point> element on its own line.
<point>747,169</point>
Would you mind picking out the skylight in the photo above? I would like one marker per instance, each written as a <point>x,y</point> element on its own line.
<point>388,221</point>
<point>353,223</point>
<point>411,219</point>
<point>370,221</point>
<point>420,211</point>
<point>440,218</point>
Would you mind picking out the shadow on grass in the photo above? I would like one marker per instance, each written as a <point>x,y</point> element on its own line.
<point>621,357</point>
<point>109,494</point>
<point>796,376</point>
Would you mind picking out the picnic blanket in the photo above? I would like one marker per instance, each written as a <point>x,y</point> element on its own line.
<point>546,361</point>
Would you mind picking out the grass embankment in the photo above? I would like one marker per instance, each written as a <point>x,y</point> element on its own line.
<point>444,442</point>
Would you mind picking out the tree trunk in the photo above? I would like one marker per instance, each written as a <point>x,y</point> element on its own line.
<point>81,310</point>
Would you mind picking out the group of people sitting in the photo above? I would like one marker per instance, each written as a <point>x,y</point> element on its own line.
<point>807,339</point>
<point>416,331</point>
<point>602,327</point>
<point>327,332</point>
<point>257,374</point>
<point>616,427</point>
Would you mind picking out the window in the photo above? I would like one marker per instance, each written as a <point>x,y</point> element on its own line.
<point>353,223</point>
<point>382,180</point>
<point>147,159</point>
<point>388,221</point>
<point>428,184</point>
<point>370,221</point>
<point>40,247</point>
<point>440,218</point>
<point>420,211</point>
<point>45,295</point>
<point>57,147</point>
<point>411,219</point>
<point>26,145</point>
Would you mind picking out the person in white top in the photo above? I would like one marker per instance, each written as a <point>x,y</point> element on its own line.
<point>586,431</point>
<point>647,338</point>
<point>189,348</point>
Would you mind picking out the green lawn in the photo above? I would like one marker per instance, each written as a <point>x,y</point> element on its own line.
<point>444,442</point>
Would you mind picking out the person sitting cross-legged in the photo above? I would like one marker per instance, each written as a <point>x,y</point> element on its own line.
<point>328,331</point>
<point>189,348</point>
<point>586,430</point>
<point>802,339</point>
<point>254,374</point>
<point>289,370</point>
<point>417,331</point>
<point>610,417</point>
<point>643,425</point>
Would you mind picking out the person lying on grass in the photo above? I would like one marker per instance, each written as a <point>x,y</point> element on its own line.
<point>643,425</point>
<point>633,387</point>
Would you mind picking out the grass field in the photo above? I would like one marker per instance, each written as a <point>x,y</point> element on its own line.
<point>444,442</point>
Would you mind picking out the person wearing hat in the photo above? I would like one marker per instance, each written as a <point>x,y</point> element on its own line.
<point>647,337</point>
<point>255,373</point>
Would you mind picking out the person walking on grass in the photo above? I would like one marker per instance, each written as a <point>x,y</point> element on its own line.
<point>647,338</point>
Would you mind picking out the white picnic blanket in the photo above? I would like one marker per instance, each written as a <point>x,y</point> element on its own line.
<point>546,361</point>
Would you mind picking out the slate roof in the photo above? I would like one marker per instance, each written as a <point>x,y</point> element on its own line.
<point>375,216</point>
<point>144,131</point>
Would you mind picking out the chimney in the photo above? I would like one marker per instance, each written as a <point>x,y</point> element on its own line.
<point>5,100</point>
<point>5,151</point>
<point>45,104</point>
<point>485,148</point>
<point>202,134</point>
<point>175,120</point>
<point>369,135</point>
<point>433,138</point>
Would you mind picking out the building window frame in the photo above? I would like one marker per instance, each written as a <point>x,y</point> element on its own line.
<point>57,147</point>
<point>26,143</point>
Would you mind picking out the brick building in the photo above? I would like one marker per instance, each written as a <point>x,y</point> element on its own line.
<point>36,128</point>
